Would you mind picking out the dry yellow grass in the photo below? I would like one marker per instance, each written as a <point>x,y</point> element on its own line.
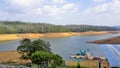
<point>57,34</point>
<point>88,63</point>
<point>4,37</point>
<point>30,35</point>
<point>8,55</point>
<point>95,33</point>
<point>9,37</point>
<point>13,55</point>
<point>67,34</point>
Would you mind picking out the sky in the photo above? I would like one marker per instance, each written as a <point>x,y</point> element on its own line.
<point>62,12</point>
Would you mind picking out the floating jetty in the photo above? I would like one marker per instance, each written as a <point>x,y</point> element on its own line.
<point>84,54</point>
<point>80,54</point>
<point>87,56</point>
<point>77,56</point>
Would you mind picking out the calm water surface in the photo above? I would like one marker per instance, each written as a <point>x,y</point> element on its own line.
<point>65,46</point>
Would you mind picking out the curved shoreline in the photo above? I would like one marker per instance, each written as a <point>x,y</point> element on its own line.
<point>5,37</point>
<point>14,56</point>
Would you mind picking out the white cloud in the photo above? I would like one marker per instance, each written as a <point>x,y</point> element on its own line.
<point>97,9</point>
<point>40,8</point>
<point>101,8</point>
<point>38,11</point>
<point>110,7</point>
<point>64,10</point>
<point>58,1</point>
<point>51,10</point>
<point>68,6</point>
<point>54,10</point>
<point>115,6</point>
<point>25,3</point>
<point>97,1</point>
<point>103,13</point>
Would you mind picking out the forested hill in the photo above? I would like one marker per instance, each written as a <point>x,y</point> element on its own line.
<point>7,27</point>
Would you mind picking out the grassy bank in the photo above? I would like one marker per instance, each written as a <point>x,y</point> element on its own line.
<point>13,55</point>
<point>4,37</point>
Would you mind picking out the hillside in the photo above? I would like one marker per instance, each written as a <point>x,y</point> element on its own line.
<point>117,27</point>
<point>11,27</point>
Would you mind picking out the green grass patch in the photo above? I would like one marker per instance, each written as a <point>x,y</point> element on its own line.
<point>71,67</point>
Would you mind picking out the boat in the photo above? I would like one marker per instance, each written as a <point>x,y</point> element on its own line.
<point>80,54</point>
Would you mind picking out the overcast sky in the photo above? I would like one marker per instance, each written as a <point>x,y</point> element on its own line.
<point>92,12</point>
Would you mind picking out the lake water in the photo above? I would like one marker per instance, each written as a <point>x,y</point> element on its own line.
<point>65,46</point>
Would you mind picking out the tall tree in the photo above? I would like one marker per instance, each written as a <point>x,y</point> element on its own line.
<point>27,47</point>
<point>24,48</point>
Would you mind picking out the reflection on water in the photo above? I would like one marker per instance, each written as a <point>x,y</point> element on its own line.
<point>65,46</point>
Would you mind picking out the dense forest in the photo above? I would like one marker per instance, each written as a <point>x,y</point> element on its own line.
<point>7,27</point>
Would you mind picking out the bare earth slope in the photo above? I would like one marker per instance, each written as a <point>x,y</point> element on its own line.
<point>4,37</point>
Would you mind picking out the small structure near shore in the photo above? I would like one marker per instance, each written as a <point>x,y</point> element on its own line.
<point>80,54</point>
<point>111,49</point>
<point>85,54</point>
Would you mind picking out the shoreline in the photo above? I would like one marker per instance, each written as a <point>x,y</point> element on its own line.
<point>14,56</point>
<point>6,37</point>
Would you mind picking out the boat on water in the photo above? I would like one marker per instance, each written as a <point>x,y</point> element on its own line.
<point>80,54</point>
<point>84,54</point>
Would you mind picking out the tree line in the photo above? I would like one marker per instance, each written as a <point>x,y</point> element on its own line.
<point>8,27</point>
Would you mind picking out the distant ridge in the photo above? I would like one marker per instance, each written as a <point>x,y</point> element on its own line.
<point>118,27</point>
<point>10,27</point>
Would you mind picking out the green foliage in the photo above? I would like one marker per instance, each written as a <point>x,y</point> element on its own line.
<point>41,57</point>
<point>71,67</point>
<point>28,47</point>
<point>24,48</point>
<point>56,61</point>
<point>7,27</point>
<point>39,52</point>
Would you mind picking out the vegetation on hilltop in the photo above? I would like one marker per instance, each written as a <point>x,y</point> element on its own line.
<point>8,27</point>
